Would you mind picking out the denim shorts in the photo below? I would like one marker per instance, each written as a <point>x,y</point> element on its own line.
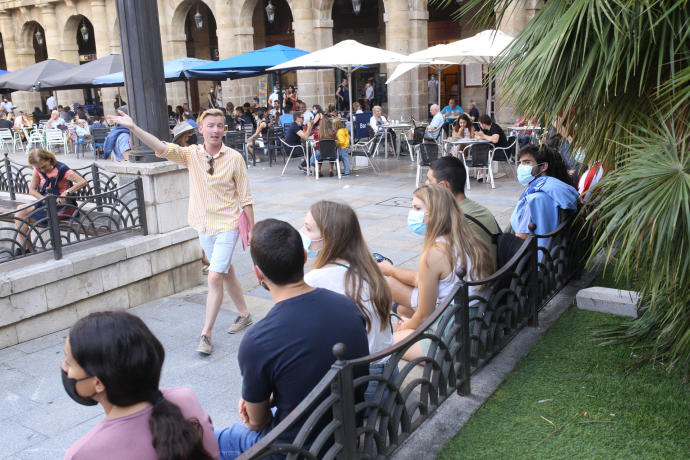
<point>218,249</point>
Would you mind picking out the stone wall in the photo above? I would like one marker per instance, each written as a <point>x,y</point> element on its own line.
<point>45,297</point>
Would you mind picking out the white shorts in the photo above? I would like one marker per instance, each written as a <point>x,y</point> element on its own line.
<point>219,249</point>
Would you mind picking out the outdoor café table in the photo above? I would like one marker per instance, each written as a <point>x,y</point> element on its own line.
<point>518,129</point>
<point>395,126</point>
<point>456,141</point>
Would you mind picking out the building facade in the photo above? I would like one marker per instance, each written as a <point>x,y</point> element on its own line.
<point>79,30</point>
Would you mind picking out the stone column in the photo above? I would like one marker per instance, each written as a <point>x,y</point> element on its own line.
<point>244,89</point>
<point>101,29</point>
<point>143,69</point>
<point>176,47</point>
<point>67,52</point>
<point>25,100</point>
<point>303,25</point>
<point>419,40</point>
<point>515,19</point>
<point>397,40</point>
<point>14,59</point>
<point>324,91</point>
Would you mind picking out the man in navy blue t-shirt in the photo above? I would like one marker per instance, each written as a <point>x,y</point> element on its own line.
<point>295,134</point>
<point>287,353</point>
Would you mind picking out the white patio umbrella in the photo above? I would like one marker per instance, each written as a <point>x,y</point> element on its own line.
<point>348,55</point>
<point>480,49</point>
<point>425,54</point>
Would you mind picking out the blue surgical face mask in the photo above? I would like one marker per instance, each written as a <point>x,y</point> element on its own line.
<point>306,243</point>
<point>524,174</point>
<point>415,221</point>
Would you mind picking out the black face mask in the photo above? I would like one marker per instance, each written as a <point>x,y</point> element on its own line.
<point>71,389</point>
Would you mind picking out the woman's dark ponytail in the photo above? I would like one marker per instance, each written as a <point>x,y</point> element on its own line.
<point>174,437</point>
<point>120,349</point>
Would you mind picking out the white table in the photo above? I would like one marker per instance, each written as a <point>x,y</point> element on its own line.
<point>455,141</point>
<point>518,129</point>
<point>395,126</point>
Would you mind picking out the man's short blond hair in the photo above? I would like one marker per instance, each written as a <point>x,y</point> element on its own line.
<point>210,113</point>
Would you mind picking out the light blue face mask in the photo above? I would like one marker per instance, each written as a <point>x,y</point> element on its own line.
<point>524,174</point>
<point>306,243</point>
<point>415,221</point>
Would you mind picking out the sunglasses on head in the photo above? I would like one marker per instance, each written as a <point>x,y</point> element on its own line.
<point>209,165</point>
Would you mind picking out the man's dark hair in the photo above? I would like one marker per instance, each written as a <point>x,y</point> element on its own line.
<point>256,99</point>
<point>246,104</point>
<point>276,248</point>
<point>451,170</point>
<point>543,154</point>
<point>485,120</point>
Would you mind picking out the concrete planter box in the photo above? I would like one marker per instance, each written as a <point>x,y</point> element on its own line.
<point>51,295</point>
<point>608,300</point>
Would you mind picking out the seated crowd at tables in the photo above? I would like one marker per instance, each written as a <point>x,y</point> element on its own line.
<point>349,295</point>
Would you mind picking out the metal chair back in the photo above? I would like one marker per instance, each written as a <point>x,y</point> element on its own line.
<point>480,154</point>
<point>428,152</point>
<point>327,149</point>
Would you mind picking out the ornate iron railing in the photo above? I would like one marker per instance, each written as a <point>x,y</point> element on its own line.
<point>15,179</point>
<point>60,225</point>
<point>464,332</point>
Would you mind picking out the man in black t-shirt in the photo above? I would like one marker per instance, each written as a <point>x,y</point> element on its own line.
<point>493,133</point>
<point>288,352</point>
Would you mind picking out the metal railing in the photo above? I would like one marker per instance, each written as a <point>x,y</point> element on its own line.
<point>81,219</point>
<point>15,178</point>
<point>464,332</point>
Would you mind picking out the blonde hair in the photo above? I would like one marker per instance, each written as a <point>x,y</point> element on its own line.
<point>342,239</point>
<point>210,113</point>
<point>36,155</point>
<point>446,221</point>
<point>356,106</point>
<point>338,124</point>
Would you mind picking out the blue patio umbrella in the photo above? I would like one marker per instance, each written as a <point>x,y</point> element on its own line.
<point>172,70</point>
<point>248,64</point>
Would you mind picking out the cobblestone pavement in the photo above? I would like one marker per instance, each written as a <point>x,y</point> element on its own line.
<point>39,421</point>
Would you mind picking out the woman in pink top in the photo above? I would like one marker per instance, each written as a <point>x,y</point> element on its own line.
<point>112,358</point>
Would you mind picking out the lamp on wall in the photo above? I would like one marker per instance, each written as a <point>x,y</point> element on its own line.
<point>270,12</point>
<point>39,37</point>
<point>198,19</point>
<point>84,32</point>
<point>357,6</point>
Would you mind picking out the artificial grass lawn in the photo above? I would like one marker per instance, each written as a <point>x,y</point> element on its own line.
<point>568,379</point>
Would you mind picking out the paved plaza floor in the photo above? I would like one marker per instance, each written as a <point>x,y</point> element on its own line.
<point>39,421</point>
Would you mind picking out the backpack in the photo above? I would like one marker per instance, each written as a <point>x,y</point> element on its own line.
<point>507,245</point>
<point>111,140</point>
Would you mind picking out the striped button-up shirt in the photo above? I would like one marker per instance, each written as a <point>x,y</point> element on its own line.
<point>215,200</point>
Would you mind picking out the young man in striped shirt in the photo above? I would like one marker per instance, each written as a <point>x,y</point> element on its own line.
<point>218,194</point>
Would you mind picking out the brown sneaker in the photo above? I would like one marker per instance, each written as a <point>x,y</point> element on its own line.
<point>205,346</point>
<point>240,323</point>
